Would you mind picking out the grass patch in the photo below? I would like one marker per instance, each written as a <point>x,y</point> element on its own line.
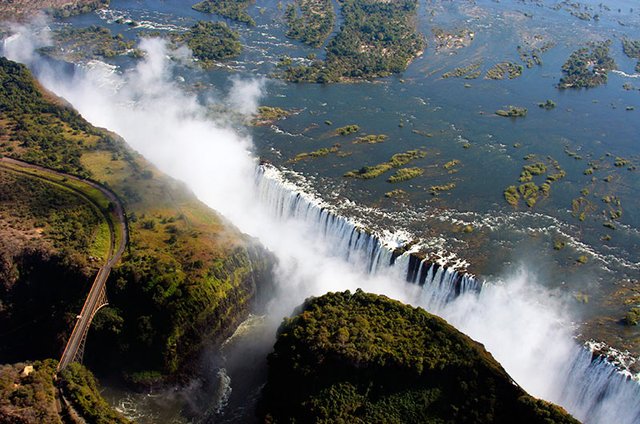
<point>395,193</point>
<point>71,215</point>
<point>405,174</point>
<point>348,129</point>
<point>268,114</point>
<point>471,71</point>
<point>371,139</point>
<point>325,151</point>
<point>512,196</point>
<point>504,70</point>
<point>436,189</point>
<point>529,192</point>
<point>396,161</point>
<point>512,112</point>
<point>451,164</point>
<point>101,242</point>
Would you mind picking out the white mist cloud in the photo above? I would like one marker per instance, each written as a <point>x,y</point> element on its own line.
<point>25,39</point>
<point>519,322</point>
<point>245,94</point>
<point>165,124</point>
<point>523,325</point>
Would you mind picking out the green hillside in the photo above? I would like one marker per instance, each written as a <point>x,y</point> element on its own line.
<point>188,277</point>
<point>363,358</point>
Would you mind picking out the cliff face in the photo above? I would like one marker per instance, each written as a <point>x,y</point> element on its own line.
<point>361,358</point>
<point>21,10</point>
<point>40,293</point>
<point>187,277</point>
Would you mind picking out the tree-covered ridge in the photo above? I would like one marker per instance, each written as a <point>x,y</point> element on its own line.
<point>187,278</point>
<point>362,358</point>
<point>211,42</point>
<point>235,10</point>
<point>377,38</point>
<point>37,129</point>
<point>310,21</point>
<point>588,66</point>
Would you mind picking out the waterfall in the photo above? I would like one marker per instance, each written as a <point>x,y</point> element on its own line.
<point>591,388</point>
<point>353,242</point>
<point>348,240</point>
<point>597,392</point>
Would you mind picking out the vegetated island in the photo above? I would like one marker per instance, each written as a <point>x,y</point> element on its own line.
<point>632,49</point>
<point>452,40</point>
<point>503,70</point>
<point>547,105</point>
<point>310,21</point>
<point>269,114</point>
<point>377,38</point>
<point>396,161</point>
<point>435,190</point>
<point>210,42</point>
<point>324,151</point>
<point>512,112</point>
<point>528,190</point>
<point>588,66</point>
<point>364,358</point>
<point>348,129</point>
<point>395,193</point>
<point>84,44</point>
<point>236,10</point>
<point>405,174</point>
<point>22,10</point>
<point>371,139</point>
<point>187,279</point>
<point>531,56</point>
<point>471,71</point>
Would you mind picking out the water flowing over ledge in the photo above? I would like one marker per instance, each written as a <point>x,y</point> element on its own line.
<point>588,385</point>
<point>352,240</point>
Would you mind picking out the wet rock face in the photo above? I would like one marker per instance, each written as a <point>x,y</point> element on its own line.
<point>22,10</point>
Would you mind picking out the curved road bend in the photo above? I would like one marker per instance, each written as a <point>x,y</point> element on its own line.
<point>91,303</point>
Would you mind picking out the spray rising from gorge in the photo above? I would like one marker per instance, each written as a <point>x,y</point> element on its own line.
<point>519,322</point>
